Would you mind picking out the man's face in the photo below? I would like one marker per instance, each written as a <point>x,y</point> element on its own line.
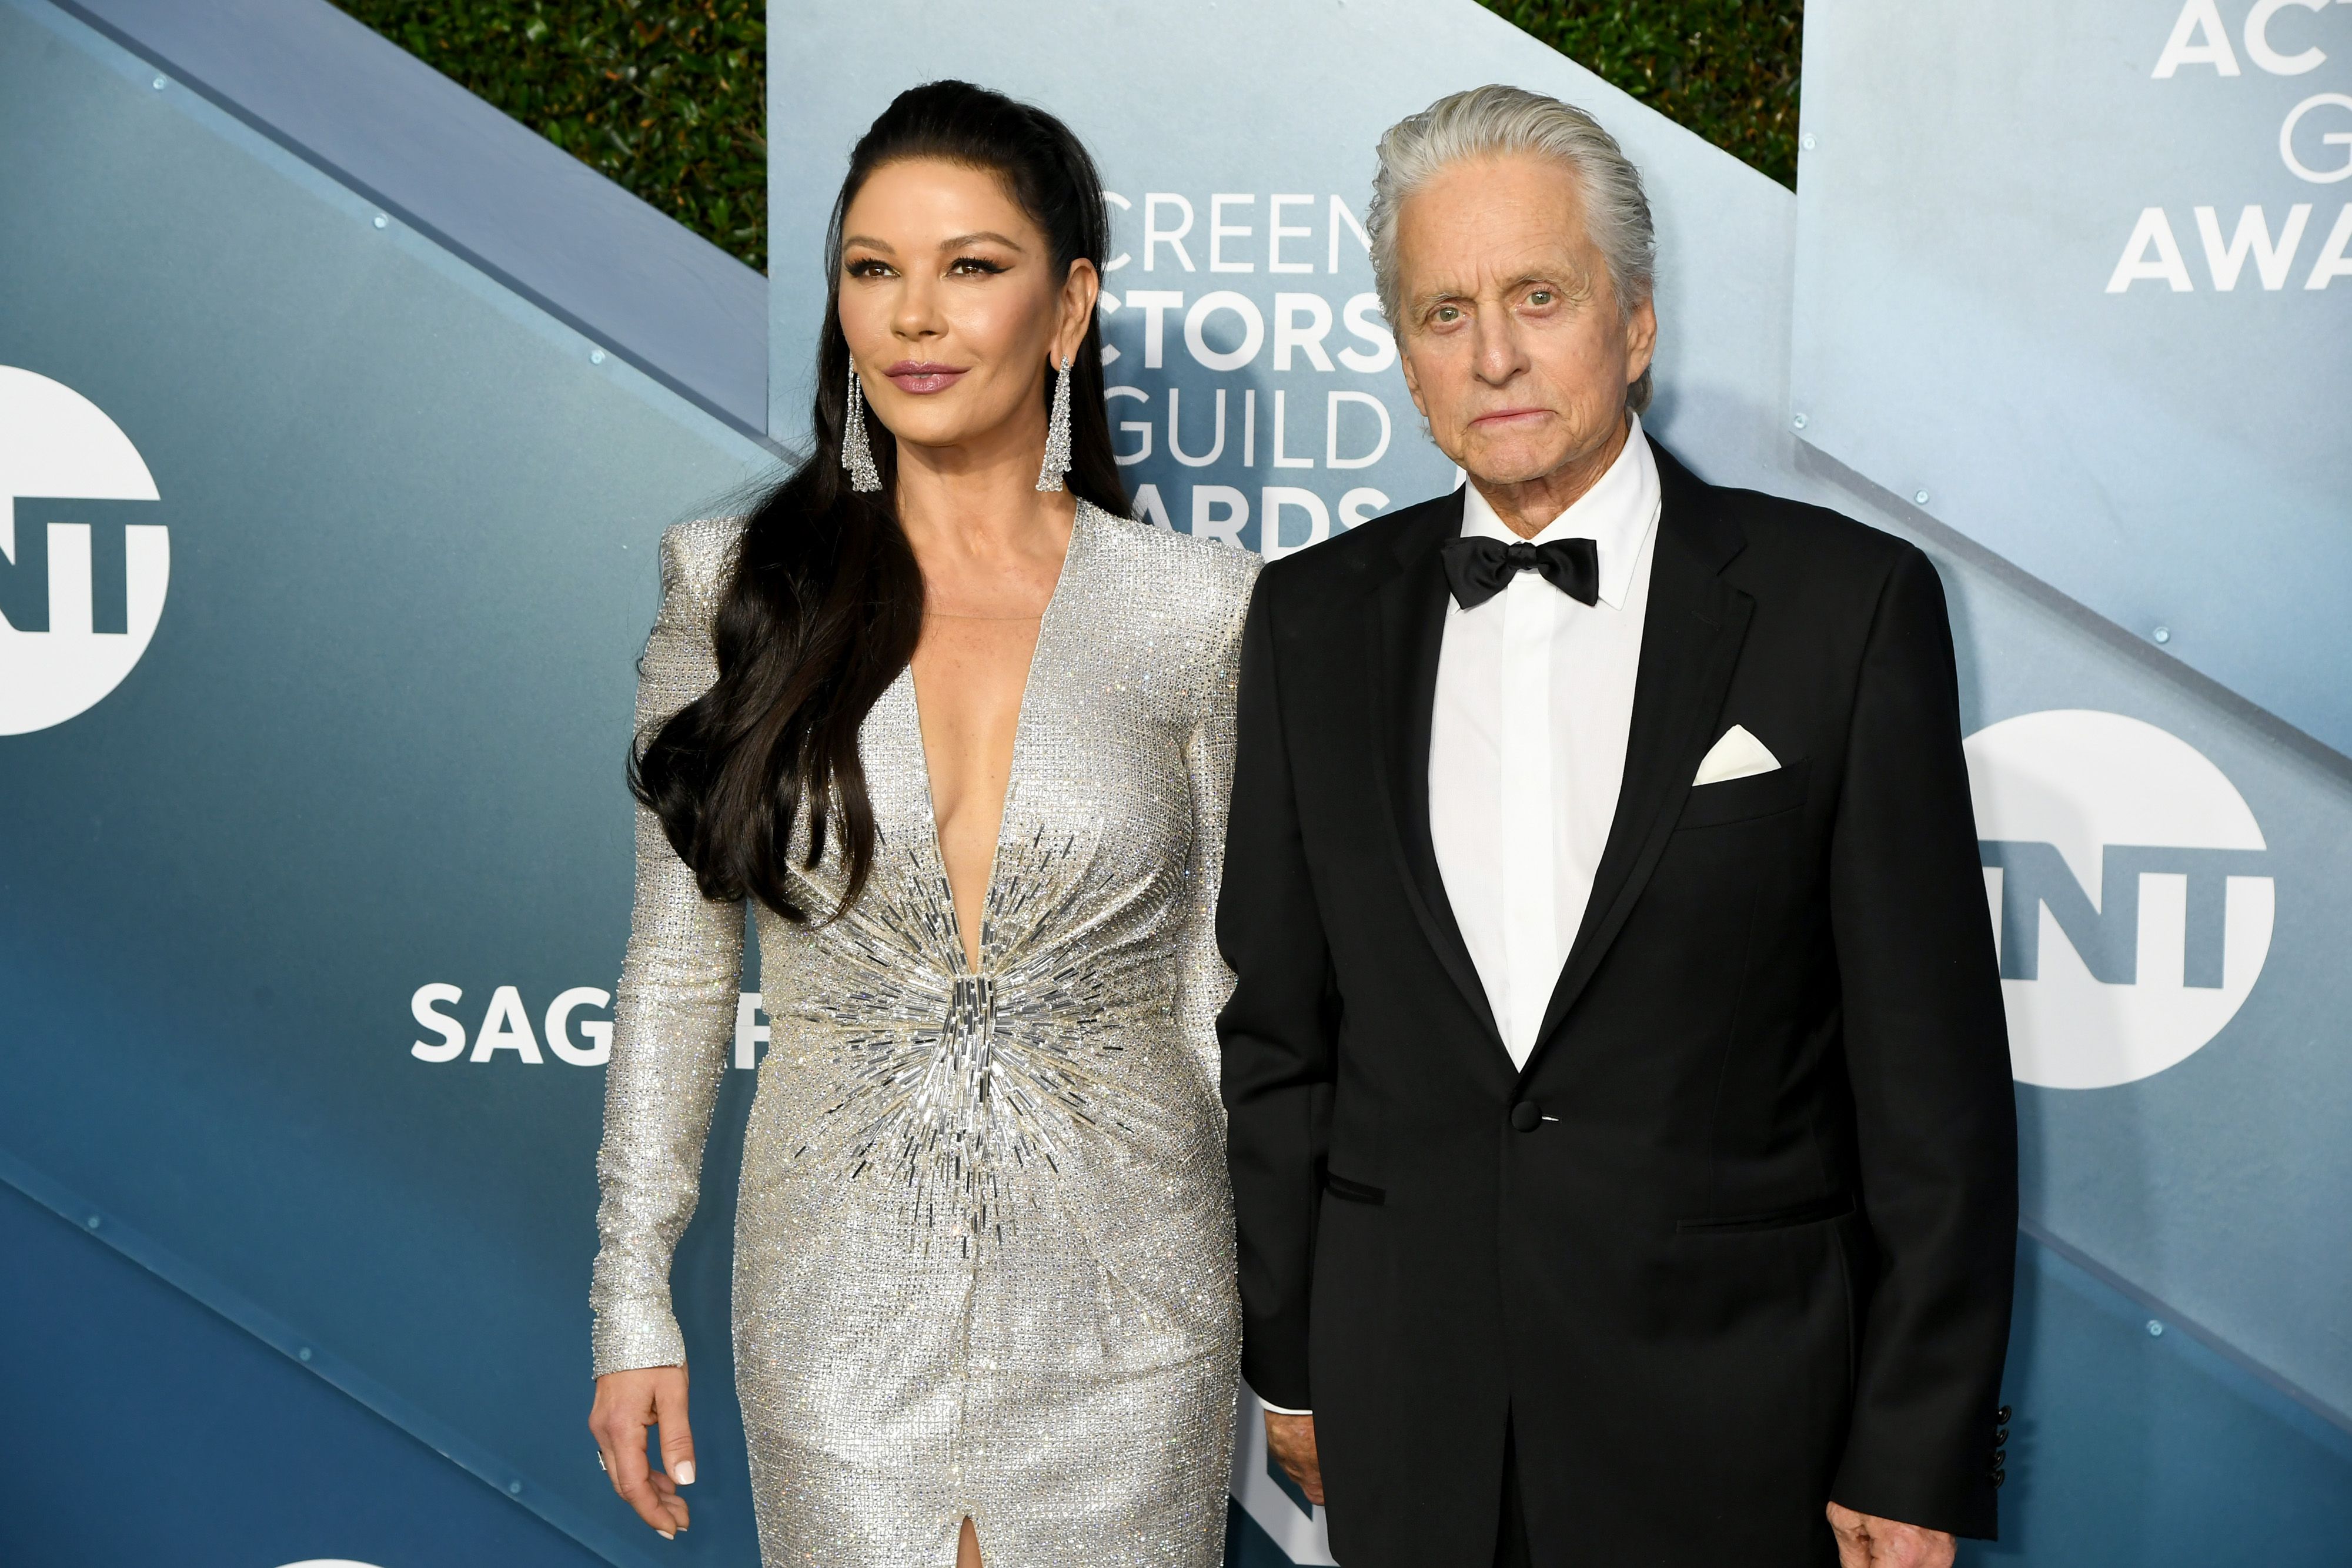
<point>1514,345</point>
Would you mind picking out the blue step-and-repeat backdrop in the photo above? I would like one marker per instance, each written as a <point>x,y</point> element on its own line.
<point>338,417</point>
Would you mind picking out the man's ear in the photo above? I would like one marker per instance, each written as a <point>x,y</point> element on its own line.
<point>1640,340</point>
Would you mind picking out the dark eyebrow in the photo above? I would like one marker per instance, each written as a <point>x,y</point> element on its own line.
<point>868,241</point>
<point>962,240</point>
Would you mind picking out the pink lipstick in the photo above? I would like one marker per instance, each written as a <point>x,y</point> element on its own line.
<point>923,377</point>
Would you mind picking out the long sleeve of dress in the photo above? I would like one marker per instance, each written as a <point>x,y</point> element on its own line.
<point>1202,981</point>
<point>675,1013</point>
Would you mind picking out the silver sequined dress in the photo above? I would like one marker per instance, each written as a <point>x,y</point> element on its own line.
<point>983,1250</point>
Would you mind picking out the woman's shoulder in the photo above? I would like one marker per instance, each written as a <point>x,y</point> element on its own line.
<point>698,554</point>
<point>1178,569</point>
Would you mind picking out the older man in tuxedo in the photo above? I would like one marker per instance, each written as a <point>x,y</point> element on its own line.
<point>1622,1144</point>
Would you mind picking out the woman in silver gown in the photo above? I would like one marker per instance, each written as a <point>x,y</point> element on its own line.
<point>983,1290</point>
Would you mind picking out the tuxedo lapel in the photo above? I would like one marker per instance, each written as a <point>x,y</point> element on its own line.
<point>1691,638</point>
<point>1408,628</point>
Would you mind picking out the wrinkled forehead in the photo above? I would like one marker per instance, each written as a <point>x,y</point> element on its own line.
<point>1493,219</point>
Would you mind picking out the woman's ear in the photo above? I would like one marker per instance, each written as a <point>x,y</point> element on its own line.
<point>1080,292</point>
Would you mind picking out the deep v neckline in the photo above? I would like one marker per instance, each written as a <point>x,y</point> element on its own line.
<point>976,963</point>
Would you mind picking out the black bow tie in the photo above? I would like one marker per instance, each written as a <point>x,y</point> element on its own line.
<point>1477,568</point>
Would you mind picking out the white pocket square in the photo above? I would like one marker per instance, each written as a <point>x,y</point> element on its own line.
<point>1739,755</point>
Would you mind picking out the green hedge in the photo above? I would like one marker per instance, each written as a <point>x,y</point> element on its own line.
<point>1727,69</point>
<point>668,96</point>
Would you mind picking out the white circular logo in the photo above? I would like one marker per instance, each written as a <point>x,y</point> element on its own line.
<point>79,595</point>
<point>2130,893</point>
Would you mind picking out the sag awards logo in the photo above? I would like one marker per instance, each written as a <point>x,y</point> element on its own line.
<point>81,589</point>
<point>2315,146</point>
<point>2131,895</point>
<point>1249,371</point>
<point>576,1029</point>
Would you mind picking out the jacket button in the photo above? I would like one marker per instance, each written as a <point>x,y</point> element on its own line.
<point>1525,1116</point>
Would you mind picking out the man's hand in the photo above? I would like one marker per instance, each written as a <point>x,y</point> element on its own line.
<point>1864,1540</point>
<point>626,1404</point>
<point>1291,1440</point>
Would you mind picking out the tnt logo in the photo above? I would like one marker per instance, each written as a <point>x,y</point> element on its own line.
<point>81,588</point>
<point>2131,895</point>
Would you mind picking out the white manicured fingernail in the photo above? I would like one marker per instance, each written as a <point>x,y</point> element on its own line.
<point>684,1473</point>
<point>667,1534</point>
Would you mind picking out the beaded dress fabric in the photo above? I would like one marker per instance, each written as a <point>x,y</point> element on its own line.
<point>983,1246</point>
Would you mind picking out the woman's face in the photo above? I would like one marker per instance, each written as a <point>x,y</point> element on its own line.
<point>952,305</point>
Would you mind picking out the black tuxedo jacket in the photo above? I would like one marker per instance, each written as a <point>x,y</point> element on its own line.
<point>1740,1238</point>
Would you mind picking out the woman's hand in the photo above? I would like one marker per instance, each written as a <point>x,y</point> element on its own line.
<point>626,1404</point>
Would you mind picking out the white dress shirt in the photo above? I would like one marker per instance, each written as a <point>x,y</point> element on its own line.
<point>1526,743</point>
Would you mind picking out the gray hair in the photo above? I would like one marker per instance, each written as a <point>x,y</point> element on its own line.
<point>1487,121</point>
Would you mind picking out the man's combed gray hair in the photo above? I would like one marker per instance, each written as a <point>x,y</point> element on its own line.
<point>1488,121</point>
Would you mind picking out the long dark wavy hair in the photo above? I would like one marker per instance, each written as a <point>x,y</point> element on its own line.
<point>825,603</point>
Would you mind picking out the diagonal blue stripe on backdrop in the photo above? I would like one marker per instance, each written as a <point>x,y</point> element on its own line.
<point>164,1433</point>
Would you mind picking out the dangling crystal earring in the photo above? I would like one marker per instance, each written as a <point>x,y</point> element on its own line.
<point>856,456</point>
<point>1057,434</point>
